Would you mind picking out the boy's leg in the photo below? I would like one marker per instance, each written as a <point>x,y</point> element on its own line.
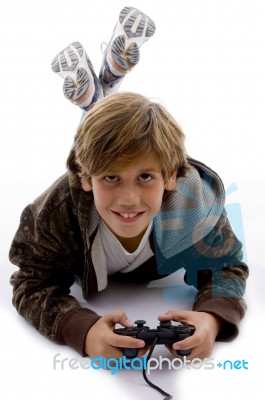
<point>81,85</point>
<point>122,53</point>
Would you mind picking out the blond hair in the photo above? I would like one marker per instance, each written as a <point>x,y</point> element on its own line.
<point>123,127</point>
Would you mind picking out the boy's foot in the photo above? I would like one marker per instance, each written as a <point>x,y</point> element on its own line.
<point>81,85</point>
<point>122,53</point>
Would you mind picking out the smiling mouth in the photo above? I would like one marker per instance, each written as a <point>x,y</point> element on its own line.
<point>128,215</point>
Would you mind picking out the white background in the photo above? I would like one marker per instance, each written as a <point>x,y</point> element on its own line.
<point>206,63</point>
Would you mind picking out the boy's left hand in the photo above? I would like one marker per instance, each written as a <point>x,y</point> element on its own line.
<point>201,342</point>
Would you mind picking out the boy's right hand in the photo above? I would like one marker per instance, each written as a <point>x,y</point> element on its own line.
<point>102,341</point>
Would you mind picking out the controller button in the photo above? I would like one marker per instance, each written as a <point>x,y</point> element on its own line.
<point>184,352</point>
<point>130,352</point>
<point>165,324</point>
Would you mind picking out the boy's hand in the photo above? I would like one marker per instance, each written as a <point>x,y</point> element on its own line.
<point>206,327</point>
<point>102,341</point>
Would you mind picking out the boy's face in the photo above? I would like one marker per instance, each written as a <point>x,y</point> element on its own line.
<point>128,198</point>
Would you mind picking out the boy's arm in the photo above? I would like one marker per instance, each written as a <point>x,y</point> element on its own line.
<point>49,257</point>
<point>220,276</point>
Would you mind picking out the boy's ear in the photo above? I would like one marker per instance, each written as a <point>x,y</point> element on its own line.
<point>86,185</point>
<point>171,182</point>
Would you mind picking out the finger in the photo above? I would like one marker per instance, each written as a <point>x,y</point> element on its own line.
<point>187,343</point>
<point>117,352</point>
<point>118,317</point>
<point>178,316</point>
<point>124,341</point>
<point>194,353</point>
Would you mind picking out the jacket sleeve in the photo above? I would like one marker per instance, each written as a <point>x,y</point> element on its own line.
<point>220,276</point>
<point>48,258</point>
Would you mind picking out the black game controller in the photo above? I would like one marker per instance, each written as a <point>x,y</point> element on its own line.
<point>165,333</point>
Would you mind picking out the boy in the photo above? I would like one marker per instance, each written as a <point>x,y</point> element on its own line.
<point>132,207</point>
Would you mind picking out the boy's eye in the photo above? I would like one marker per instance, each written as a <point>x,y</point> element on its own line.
<point>111,178</point>
<point>114,178</point>
<point>145,177</point>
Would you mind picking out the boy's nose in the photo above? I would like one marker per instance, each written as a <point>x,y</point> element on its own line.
<point>128,196</point>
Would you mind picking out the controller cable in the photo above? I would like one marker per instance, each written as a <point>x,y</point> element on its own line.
<point>168,396</point>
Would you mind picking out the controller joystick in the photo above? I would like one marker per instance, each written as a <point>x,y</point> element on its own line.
<point>140,323</point>
<point>165,324</point>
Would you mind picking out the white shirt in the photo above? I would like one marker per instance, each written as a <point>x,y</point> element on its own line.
<point>117,258</point>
